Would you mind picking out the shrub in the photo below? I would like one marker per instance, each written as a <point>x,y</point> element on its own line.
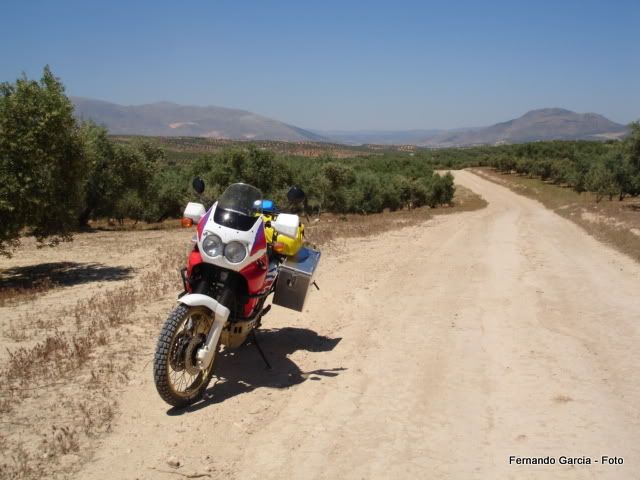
<point>41,161</point>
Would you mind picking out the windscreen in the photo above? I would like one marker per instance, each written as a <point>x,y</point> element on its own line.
<point>239,207</point>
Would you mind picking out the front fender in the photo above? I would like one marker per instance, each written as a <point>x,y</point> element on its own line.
<point>205,355</point>
<point>199,300</point>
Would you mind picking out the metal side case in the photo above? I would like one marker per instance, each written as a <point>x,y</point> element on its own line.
<point>294,279</point>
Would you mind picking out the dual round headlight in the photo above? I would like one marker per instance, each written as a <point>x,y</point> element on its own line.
<point>234,252</point>
<point>212,245</point>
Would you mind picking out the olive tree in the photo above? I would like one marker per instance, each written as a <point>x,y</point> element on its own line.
<point>41,161</point>
<point>118,178</point>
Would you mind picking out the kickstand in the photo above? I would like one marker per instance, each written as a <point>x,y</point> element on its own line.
<point>254,338</point>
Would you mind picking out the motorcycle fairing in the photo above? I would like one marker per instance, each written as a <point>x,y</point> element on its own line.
<point>194,259</point>
<point>202,223</point>
<point>260,242</point>
<point>254,237</point>
<point>255,274</point>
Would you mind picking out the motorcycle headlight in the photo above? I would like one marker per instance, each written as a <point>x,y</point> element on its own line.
<point>235,252</point>
<point>212,245</point>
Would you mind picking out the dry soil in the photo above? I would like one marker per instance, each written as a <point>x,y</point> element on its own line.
<point>435,351</point>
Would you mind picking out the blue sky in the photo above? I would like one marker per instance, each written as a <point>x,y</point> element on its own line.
<point>338,64</point>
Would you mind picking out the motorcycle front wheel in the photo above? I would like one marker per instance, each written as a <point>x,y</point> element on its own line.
<point>178,380</point>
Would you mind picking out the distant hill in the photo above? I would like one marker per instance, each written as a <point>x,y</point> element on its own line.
<point>536,125</point>
<point>379,137</point>
<point>166,119</point>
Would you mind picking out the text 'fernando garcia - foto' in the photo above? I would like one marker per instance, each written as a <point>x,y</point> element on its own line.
<point>563,460</point>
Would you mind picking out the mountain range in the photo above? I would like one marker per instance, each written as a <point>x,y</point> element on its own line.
<point>167,119</point>
<point>535,125</point>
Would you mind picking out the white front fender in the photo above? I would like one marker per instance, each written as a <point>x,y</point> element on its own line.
<point>205,354</point>
<point>199,300</point>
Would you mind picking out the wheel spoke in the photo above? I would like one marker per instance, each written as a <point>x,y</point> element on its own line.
<point>193,329</point>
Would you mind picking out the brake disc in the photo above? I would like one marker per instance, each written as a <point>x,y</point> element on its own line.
<point>190,353</point>
<point>177,356</point>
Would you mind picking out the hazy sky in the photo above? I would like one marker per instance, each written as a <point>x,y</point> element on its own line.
<point>338,64</point>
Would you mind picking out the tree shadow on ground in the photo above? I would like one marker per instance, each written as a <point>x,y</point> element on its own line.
<point>242,370</point>
<point>66,274</point>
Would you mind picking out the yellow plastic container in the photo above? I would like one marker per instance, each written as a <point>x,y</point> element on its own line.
<point>281,243</point>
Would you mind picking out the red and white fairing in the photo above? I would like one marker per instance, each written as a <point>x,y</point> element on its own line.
<point>253,239</point>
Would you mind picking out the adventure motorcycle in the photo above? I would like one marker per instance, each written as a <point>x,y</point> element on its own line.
<point>243,251</point>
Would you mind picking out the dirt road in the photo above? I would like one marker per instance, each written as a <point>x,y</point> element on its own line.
<point>432,352</point>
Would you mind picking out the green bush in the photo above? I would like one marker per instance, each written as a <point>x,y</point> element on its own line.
<point>116,174</point>
<point>41,161</point>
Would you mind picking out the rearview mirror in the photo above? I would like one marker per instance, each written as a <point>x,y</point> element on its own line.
<point>295,195</point>
<point>198,185</point>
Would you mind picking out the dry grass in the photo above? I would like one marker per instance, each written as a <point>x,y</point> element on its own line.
<point>23,293</point>
<point>60,441</point>
<point>94,419</point>
<point>22,284</point>
<point>328,227</point>
<point>46,359</point>
<point>94,358</point>
<point>614,222</point>
<point>5,405</point>
<point>59,355</point>
<point>15,333</point>
<point>17,463</point>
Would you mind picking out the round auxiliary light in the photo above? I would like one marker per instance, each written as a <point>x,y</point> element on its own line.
<point>212,245</point>
<point>235,252</point>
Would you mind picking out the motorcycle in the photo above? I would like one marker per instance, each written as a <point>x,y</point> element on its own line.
<point>244,251</point>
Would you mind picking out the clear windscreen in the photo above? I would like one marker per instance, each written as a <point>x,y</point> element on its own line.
<point>239,206</point>
<point>241,198</point>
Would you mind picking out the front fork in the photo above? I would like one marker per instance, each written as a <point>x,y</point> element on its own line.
<point>204,355</point>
